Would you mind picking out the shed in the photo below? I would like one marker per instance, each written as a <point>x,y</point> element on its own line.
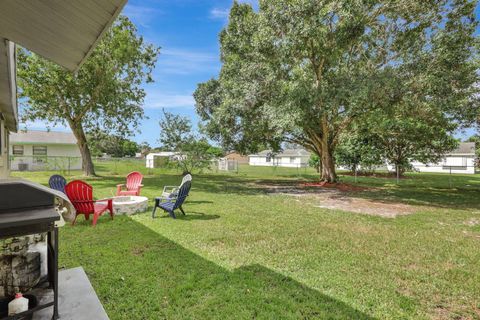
<point>158,159</point>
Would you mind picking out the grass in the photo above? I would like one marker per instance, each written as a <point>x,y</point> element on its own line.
<point>241,253</point>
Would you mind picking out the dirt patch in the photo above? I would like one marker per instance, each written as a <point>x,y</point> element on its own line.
<point>310,188</point>
<point>138,251</point>
<point>472,222</point>
<point>365,206</point>
<point>341,196</point>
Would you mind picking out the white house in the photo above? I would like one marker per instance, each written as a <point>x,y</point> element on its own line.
<point>293,158</point>
<point>44,150</point>
<point>460,160</point>
<point>157,159</point>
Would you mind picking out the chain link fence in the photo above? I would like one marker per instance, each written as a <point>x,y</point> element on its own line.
<point>450,176</point>
<point>45,163</point>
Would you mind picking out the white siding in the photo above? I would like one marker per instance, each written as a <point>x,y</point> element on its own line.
<point>4,168</point>
<point>457,163</point>
<point>259,161</point>
<point>288,162</point>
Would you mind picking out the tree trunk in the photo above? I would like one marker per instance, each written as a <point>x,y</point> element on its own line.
<point>328,166</point>
<point>399,170</point>
<point>87,163</point>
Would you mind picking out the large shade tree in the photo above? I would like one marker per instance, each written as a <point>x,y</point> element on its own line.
<point>304,71</point>
<point>106,92</point>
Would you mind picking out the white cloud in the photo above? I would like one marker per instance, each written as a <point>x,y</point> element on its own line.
<point>223,13</point>
<point>160,100</point>
<point>42,125</point>
<point>141,15</point>
<point>253,3</point>
<point>181,61</point>
<point>219,13</point>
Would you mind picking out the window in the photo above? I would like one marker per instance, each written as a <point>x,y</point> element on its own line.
<point>17,150</point>
<point>40,154</point>
<point>293,159</point>
<point>39,150</point>
<point>270,156</point>
<point>455,163</point>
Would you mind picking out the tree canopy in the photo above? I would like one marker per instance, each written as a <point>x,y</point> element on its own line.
<point>100,142</point>
<point>306,71</point>
<point>105,93</point>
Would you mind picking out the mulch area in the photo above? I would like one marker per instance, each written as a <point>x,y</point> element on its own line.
<point>384,175</point>
<point>345,187</point>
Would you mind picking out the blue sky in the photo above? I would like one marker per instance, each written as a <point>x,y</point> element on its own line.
<point>187,32</point>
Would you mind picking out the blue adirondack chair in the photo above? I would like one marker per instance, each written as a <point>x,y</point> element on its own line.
<point>171,204</point>
<point>57,182</point>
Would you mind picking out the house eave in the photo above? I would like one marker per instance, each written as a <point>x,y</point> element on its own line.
<point>64,32</point>
<point>41,143</point>
<point>461,155</point>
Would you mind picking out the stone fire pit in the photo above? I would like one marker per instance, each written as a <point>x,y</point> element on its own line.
<point>129,205</point>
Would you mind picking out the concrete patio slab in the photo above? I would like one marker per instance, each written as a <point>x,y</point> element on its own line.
<point>77,299</point>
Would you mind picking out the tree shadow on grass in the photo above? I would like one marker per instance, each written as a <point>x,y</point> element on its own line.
<point>436,198</point>
<point>199,201</point>
<point>205,183</point>
<point>189,216</point>
<point>417,195</point>
<point>420,192</point>
<point>139,274</point>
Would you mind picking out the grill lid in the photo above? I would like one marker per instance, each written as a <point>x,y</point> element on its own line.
<point>23,195</point>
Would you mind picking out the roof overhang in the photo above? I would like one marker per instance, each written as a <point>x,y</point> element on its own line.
<point>64,32</point>
<point>461,154</point>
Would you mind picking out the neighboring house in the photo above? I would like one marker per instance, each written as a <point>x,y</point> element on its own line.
<point>44,150</point>
<point>460,160</point>
<point>158,159</point>
<point>293,158</point>
<point>239,158</point>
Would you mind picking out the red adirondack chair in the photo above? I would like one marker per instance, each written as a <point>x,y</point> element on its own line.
<point>133,185</point>
<point>81,196</point>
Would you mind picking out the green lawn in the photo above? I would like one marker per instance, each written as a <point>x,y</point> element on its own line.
<point>241,253</point>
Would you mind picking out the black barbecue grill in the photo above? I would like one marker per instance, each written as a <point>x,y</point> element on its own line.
<point>25,210</point>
